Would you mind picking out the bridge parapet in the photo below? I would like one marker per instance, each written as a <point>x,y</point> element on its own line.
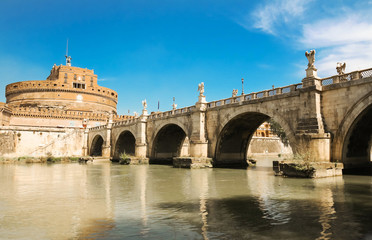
<point>98,127</point>
<point>347,77</point>
<point>126,122</point>
<point>172,112</point>
<point>255,95</point>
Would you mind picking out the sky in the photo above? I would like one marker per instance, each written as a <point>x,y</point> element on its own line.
<point>157,50</point>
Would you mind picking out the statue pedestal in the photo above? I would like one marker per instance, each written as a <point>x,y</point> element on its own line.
<point>311,72</point>
<point>311,78</point>
<point>202,99</point>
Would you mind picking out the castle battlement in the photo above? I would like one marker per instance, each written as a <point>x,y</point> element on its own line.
<point>67,88</point>
<point>45,85</point>
<point>61,114</point>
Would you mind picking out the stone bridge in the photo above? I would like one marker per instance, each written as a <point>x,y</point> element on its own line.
<point>329,120</point>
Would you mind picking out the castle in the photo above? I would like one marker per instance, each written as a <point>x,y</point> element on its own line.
<point>69,97</point>
<point>49,116</point>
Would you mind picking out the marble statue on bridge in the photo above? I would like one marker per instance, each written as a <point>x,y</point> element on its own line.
<point>201,88</point>
<point>235,92</point>
<point>311,58</point>
<point>341,68</point>
<point>144,104</point>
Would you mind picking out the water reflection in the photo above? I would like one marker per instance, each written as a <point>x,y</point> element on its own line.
<point>104,201</point>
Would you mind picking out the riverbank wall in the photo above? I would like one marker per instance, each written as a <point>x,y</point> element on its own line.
<point>268,146</point>
<point>40,141</point>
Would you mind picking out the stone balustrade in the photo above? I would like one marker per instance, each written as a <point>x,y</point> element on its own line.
<point>347,77</point>
<point>255,95</point>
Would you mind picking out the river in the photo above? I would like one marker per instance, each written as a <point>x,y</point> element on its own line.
<point>109,201</point>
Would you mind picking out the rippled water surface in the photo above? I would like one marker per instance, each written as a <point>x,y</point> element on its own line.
<point>107,201</point>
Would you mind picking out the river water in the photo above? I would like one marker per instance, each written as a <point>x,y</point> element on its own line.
<point>108,201</point>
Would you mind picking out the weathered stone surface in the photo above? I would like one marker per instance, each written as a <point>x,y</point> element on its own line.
<point>304,169</point>
<point>40,141</point>
<point>134,161</point>
<point>190,162</point>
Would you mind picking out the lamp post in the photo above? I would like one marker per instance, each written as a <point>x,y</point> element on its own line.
<point>242,86</point>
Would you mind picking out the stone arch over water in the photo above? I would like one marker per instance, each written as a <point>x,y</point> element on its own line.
<point>96,147</point>
<point>126,142</point>
<point>168,143</point>
<point>353,139</point>
<point>234,138</point>
<point>356,151</point>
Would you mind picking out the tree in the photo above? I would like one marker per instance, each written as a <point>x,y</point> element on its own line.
<point>279,131</point>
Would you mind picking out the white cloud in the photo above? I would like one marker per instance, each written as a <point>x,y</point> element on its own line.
<point>336,31</point>
<point>268,17</point>
<point>342,39</point>
<point>356,55</point>
<point>339,33</point>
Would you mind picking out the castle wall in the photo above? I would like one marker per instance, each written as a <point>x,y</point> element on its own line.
<point>4,119</point>
<point>5,114</point>
<point>38,141</point>
<point>64,96</point>
<point>51,122</point>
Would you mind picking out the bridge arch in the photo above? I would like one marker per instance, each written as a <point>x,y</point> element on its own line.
<point>236,133</point>
<point>96,145</point>
<point>353,140</point>
<point>168,142</point>
<point>125,142</point>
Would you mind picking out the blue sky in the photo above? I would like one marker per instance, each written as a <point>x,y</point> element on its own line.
<point>157,50</point>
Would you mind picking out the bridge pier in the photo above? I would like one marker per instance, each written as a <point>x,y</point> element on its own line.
<point>198,143</point>
<point>106,148</point>
<point>312,149</point>
<point>85,141</point>
<point>141,150</point>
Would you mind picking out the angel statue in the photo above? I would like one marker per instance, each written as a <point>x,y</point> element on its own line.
<point>68,60</point>
<point>341,68</point>
<point>144,104</point>
<point>311,58</point>
<point>234,92</point>
<point>201,88</point>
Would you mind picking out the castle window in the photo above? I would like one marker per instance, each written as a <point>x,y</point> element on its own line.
<point>78,85</point>
<point>91,81</point>
<point>65,77</point>
<point>74,76</point>
<point>84,78</point>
